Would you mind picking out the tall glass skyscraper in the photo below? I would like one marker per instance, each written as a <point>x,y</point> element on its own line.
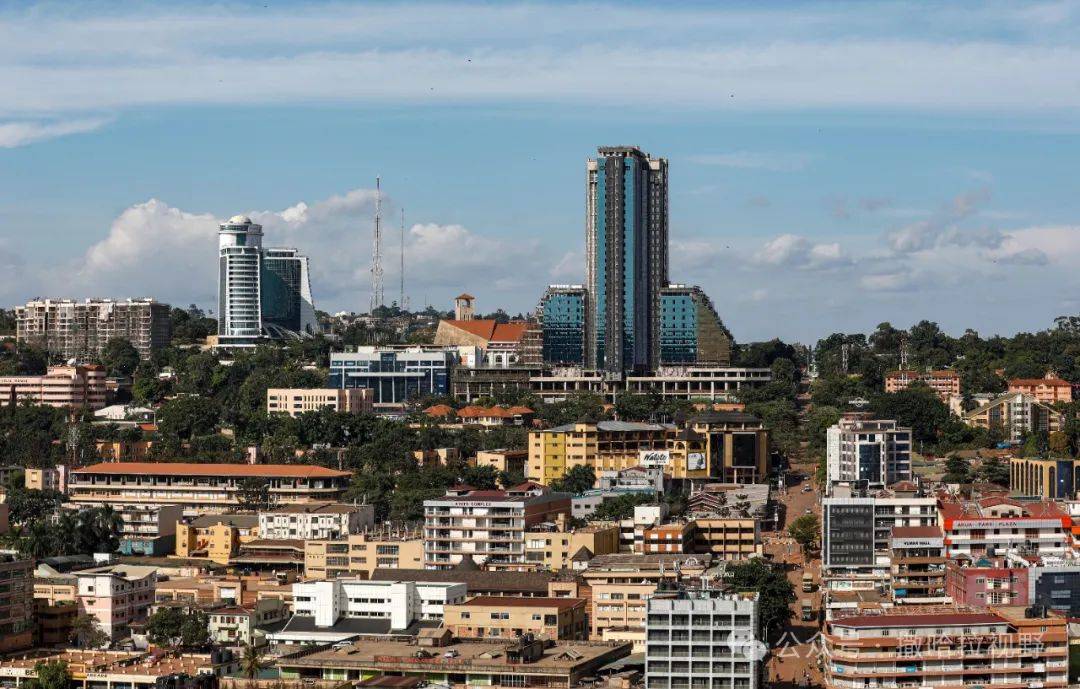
<point>627,317</point>
<point>261,292</point>
<point>626,238</point>
<point>562,323</point>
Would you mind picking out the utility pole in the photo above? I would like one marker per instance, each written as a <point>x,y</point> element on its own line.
<point>376,253</point>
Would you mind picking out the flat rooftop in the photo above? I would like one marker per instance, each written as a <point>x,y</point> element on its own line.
<point>111,662</point>
<point>563,657</point>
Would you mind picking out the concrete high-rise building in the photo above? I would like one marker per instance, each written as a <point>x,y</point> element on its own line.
<point>239,258</point>
<point>877,451</point>
<point>262,292</point>
<point>701,639</point>
<point>626,248</point>
<point>70,329</point>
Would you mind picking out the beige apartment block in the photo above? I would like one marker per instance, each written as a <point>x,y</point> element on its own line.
<point>557,548</point>
<point>486,617</point>
<point>358,555</point>
<point>296,401</point>
<point>621,584</point>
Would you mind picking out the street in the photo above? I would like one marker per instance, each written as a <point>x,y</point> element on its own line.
<point>793,661</point>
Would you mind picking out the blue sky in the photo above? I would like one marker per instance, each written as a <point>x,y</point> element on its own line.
<point>833,165</point>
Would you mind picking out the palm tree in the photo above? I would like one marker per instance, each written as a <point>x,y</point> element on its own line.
<point>251,663</point>
<point>39,540</point>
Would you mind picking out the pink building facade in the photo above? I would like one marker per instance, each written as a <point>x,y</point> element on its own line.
<point>116,596</point>
<point>984,586</point>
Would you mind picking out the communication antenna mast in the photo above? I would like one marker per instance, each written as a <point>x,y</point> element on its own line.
<point>845,350</point>
<point>376,253</point>
<point>403,301</point>
<point>903,352</point>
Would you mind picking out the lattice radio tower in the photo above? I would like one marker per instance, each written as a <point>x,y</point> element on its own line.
<point>403,301</point>
<point>376,253</point>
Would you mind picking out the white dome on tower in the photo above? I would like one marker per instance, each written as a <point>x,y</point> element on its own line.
<point>239,220</point>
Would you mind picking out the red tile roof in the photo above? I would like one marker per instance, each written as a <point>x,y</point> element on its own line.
<point>490,330</point>
<point>473,411</point>
<point>508,332</point>
<point>481,327</point>
<point>217,470</point>
<point>440,410</point>
<point>1036,382</point>
<point>956,619</point>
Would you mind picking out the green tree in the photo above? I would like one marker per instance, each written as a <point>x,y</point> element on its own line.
<point>917,407</point>
<point>576,480</point>
<point>120,357</point>
<point>251,662</point>
<point>182,418</point>
<point>87,633</point>
<point>53,674</point>
<point>195,630</point>
<point>806,530</point>
<point>776,594</point>
<point>957,470</point>
<point>994,470</point>
<point>253,493</point>
<point>621,506</point>
<point>1059,444</point>
<point>482,478</point>
<point>163,627</point>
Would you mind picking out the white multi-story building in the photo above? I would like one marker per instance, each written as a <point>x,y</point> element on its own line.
<point>261,292</point>
<point>702,639</point>
<point>316,521</point>
<point>874,451</point>
<point>487,525</point>
<point>115,596</point>
<point>339,609</point>
<point>857,527</point>
<point>70,329</point>
<point>148,529</point>
<point>998,526</point>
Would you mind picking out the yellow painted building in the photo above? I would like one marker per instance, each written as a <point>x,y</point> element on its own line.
<point>728,446</point>
<point>358,555</point>
<point>487,617</point>
<point>1050,479</point>
<point>215,537</point>
<point>555,549</point>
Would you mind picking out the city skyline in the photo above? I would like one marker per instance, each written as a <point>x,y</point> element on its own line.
<point>804,200</point>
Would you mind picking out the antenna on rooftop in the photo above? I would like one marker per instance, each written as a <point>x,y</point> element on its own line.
<point>376,253</point>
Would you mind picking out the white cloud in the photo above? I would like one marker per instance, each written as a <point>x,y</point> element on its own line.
<point>888,282</point>
<point>72,60</point>
<point>158,250</point>
<point>943,228</point>
<point>795,251</point>
<point>15,134</point>
<point>755,160</point>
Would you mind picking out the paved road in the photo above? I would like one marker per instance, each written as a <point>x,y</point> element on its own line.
<point>794,664</point>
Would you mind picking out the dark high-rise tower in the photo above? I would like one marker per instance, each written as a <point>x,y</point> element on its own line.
<point>626,242</point>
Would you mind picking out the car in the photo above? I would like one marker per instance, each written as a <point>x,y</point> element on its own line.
<point>807,489</point>
<point>808,510</point>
